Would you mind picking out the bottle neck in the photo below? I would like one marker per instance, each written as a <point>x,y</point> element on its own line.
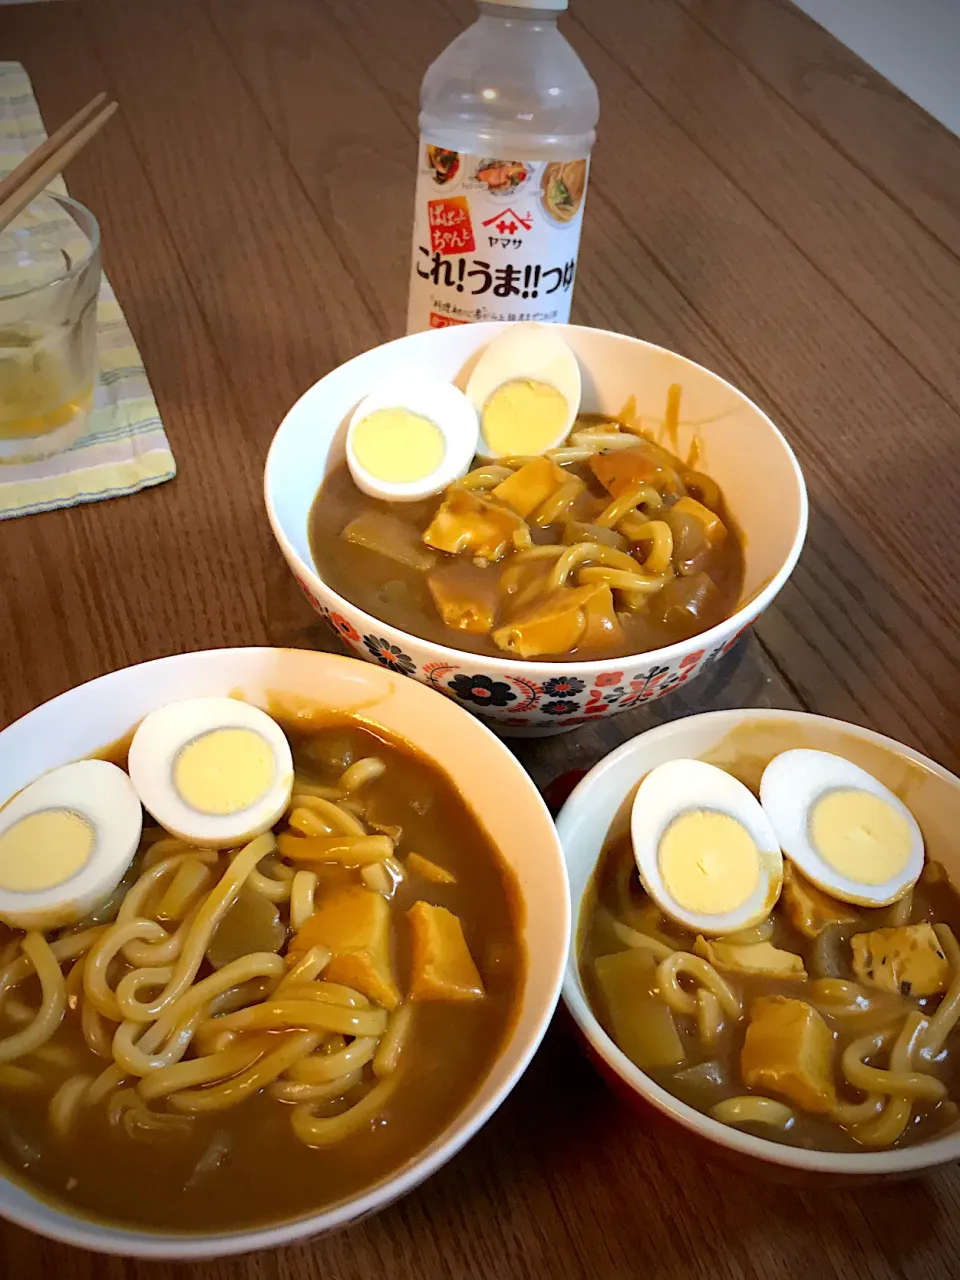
<point>512,15</point>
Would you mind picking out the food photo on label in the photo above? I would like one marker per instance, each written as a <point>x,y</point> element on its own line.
<point>502,175</point>
<point>445,164</point>
<point>562,188</point>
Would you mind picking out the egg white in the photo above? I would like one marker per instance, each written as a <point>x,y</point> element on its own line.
<point>441,403</point>
<point>526,351</point>
<point>104,797</point>
<point>153,752</point>
<point>683,786</point>
<point>791,785</point>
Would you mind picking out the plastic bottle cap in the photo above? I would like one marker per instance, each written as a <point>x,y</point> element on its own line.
<point>556,5</point>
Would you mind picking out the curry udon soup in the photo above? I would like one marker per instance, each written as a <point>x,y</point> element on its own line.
<point>243,1035</point>
<point>827,1026</point>
<point>607,546</point>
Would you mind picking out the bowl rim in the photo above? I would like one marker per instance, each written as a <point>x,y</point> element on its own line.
<point>738,620</point>
<point>914,1159</point>
<point>46,1216</point>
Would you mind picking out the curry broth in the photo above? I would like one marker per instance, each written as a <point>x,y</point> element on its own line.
<point>265,1173</point>
<point>615,893</point>
<point>400,596</point>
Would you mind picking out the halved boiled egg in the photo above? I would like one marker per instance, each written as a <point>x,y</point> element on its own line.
<point>706,852</point>
<point>842,828</point>
<point>213,771</point>
<point>410,438</point>
<point>65,843</point>
<point>526,390</point>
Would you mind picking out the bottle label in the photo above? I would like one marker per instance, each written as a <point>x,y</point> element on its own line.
<point>494,239</point>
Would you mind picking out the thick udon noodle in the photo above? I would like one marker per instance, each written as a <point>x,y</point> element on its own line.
<point>887,1071</point>
<point>176,1045</point>
<point>670,577</point>
<point>887,1094</point>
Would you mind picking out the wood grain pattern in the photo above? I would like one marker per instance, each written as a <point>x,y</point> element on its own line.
<point>255,200</point>
<point>887,266</point>
<point>909,155</point>
<point>745,277</point>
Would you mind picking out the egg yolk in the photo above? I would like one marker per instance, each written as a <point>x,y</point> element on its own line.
<point>860,835</point>
<point>709,862</point>
<point>398,445</point>
<point>44,849</point>
<point>224,771</point>
<point>524,417</point>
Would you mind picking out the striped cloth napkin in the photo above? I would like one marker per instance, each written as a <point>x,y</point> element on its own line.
<point>124,447</point>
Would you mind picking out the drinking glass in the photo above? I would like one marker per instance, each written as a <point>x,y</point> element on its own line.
<point>49,283</point>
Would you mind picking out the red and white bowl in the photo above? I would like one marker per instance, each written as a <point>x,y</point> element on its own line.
<point>738,446</point>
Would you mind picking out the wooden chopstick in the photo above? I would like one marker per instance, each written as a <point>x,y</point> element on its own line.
<point>32,162</point>
<point>34,173</point>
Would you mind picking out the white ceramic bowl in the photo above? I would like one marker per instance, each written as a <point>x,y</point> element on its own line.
<point>739,447</point>
<point>746,740</point>
<point>92,716</point>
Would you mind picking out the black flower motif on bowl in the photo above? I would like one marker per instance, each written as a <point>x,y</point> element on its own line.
<point>563,687</point>
<point>482,690</point>
<point>390,655</point>
<point>562,707</point>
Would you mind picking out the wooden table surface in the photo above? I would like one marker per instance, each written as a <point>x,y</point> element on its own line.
<point>761,202</point>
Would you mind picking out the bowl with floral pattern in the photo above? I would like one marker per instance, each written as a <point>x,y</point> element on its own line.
<point>736,443</point>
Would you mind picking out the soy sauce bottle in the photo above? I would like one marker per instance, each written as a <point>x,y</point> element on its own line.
<point>508,116</point>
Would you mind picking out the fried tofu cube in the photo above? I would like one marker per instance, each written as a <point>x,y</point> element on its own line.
<point>788,1049</point>
<point>907,959</point>
<point>808,908</point>
<point>758,959</point>
<point>530,486</point>
<point>441,966</point>
<point>465,606</point>
<point>625,469</point>
<point>714,530</point>
<point>468,524</point>
<point>353,923</point>
<point>418,865</point>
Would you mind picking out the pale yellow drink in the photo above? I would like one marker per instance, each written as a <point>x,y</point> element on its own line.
<point>49,282</point>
